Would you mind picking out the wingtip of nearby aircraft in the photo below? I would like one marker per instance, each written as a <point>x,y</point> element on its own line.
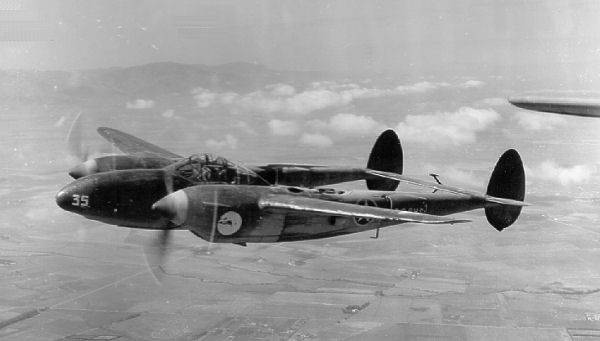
<point>587,105</point>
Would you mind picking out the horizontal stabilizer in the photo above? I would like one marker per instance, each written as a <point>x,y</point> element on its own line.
<point>319,206</point>
<point>503,201</point>
<point>449,189</point>
<point>298,165</point>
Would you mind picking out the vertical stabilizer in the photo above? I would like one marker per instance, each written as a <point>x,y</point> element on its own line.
<point>386,156</point>
<point>507,181</point>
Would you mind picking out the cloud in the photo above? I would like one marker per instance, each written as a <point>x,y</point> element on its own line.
<point>418,88</point>
<point>206,98</point>
<point>168,113</point>
<point>285,99</point>
<point>472,84</point>
<point>535,121</point>
<point>443,128</point>
<point>315,140</point>
<point>243,126</point>
<point>280,90</point>
<point>293,103</point>
<point>230,142</point>
<point>140,104</point>
<point>462,176</point>
<point>283,128</point>
<point>566,176</point>
<point>60,122</point>
<point>493,101</point>
<point>344,123</point>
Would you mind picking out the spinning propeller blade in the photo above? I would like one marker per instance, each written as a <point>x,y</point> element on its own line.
<point>155,252</point>
<point>154,255</point>
<point>75,144</point>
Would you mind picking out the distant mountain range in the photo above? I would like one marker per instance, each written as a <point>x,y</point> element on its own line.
<point>172,79</point>
<point>150,80</point>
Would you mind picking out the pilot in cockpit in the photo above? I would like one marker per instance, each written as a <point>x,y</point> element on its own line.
<point>207,169</point>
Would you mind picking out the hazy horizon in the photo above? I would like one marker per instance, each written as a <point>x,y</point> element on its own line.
<point>341,36</point>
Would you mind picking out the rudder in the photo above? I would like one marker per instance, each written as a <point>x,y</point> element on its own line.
<point>507,181</point>
<point>386,155</point>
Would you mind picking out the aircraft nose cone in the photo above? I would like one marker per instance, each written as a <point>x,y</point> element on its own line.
<point>64,199</point>
<point>86,168</point>
<point>174,206</point>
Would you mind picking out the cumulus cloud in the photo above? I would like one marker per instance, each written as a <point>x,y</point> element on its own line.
<point>168,113</point>
<point>140,104</point>
<point>206,98</point>
<point>315,140</point>
<point>283,128</point>
<point>229,142</point>
<point>566,176</point>
<point>419,87</point>
<point>286,99</point>
<point>345,123</point>
<point>458,127</point>
<point>472,84</point>
<point>535,121</point>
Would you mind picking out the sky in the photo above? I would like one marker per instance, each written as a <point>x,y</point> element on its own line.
<point>315,82</point>
<point>437,72</point>
<point>343,36</point>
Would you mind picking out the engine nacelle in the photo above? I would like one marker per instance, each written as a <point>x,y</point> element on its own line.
<point>216,213</point>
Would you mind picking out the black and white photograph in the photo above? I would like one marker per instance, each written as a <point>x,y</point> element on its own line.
<point>299,170</point>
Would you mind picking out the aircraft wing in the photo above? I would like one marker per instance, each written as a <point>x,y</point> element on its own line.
<point>566,105</point>
<point>130,144</point>
<point>319,206</point>
<point>450,189</point>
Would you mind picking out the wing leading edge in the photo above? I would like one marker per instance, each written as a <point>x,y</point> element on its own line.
<point>130,144</point>
<point>319,206</point>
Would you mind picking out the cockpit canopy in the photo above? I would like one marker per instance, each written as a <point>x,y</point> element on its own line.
<point>208,168</point>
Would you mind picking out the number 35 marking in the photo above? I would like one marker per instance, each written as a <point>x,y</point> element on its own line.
<point>80,200</point>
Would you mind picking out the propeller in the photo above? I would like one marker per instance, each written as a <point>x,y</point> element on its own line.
<point>75,143</point>
<point>82,152</point>
<point>175,207</point>
<point>155,252</point>
<point>154,255</point>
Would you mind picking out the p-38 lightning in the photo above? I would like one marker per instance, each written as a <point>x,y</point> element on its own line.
<point>224,202</point>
